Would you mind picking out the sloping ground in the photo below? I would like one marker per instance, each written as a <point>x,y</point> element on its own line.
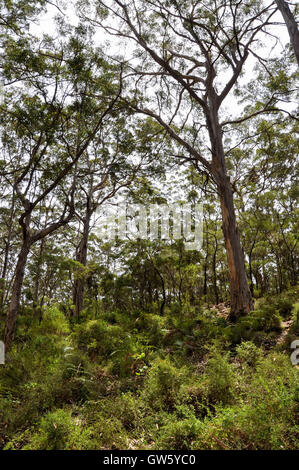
<point>285,325</point>
<point>222,309</point>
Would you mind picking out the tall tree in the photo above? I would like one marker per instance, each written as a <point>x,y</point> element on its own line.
<point>193,55</point>
<point>46,130</point>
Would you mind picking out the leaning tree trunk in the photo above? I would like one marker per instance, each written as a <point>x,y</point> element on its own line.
<point>291,24</point>
<point>16,293</point>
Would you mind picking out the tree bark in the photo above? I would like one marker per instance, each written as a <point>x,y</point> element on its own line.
<point>36,293</point>
<point>28,240</point>
<point>10,325</point>
<point>81,257</point>
<point>291,24</point>
<point>215,273</point>
<point>240,295</point>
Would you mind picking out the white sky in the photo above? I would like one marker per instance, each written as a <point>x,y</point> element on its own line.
<point>47,25</point>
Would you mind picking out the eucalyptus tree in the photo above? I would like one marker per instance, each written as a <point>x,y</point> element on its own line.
<point>17,15</point>
<point>190,55</point>
<point>291,23</point>
<point>46,129</point>
<point>117,161</point>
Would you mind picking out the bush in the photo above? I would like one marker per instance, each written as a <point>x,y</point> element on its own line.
<point>53,323</point>
<point>220,377</point>
<point>58,430</point>
<point>153,326</point>
<point>179,435</point>
<point>248,353</point>
<point>283,304</point>
<point>116,386</point>
<point>295,318</point>
<point>266,417</point>
<point>108,430</point>
<point>163,383</point>
<point>107,342</point>
<point>266,318</point>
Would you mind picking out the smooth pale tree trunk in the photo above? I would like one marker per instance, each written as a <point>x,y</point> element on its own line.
<point>291,24</point>
<point>12,315</point>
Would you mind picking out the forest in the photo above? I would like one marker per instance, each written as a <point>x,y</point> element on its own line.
<point>149,225</point>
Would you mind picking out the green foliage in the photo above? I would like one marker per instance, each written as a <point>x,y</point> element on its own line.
<point>109,342</point>
<point>58,430</point>
<point>162,384</point>
<point>266,318</point>
<point>58,392</point>
<point>248,353</point>
<point>129,344</point>
<point>220,377</point>
<point>260,325</point>
<point>179,435</point>
<point>53,322</point>
<point>154,326</point>
<point>295,318</point>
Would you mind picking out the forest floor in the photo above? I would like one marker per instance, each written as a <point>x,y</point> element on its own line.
<point>138,380</point>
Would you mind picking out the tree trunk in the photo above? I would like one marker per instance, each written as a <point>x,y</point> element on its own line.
<point>240,295</point>
<point>205,281</point>
<point>81,257</point>
<point>215,273</point>
<point>6,254</point>
<point>290,24</point>
<point>16,293</point>
<point>250,266</point>
<point>36,293</point>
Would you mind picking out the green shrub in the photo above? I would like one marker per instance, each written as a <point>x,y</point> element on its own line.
<point>267,417</point>
<point>58,430</point>
<point>266,318</point>
<point>53,323</point>
<point>108,430</point>
<point>163,383</point>
<point>283,304</point>
<point>153,326</point>
<point>179,435</point>
<point>248,353</point>
<point>220,377</point>
<point>109,342</point>
<point>295,318</point>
